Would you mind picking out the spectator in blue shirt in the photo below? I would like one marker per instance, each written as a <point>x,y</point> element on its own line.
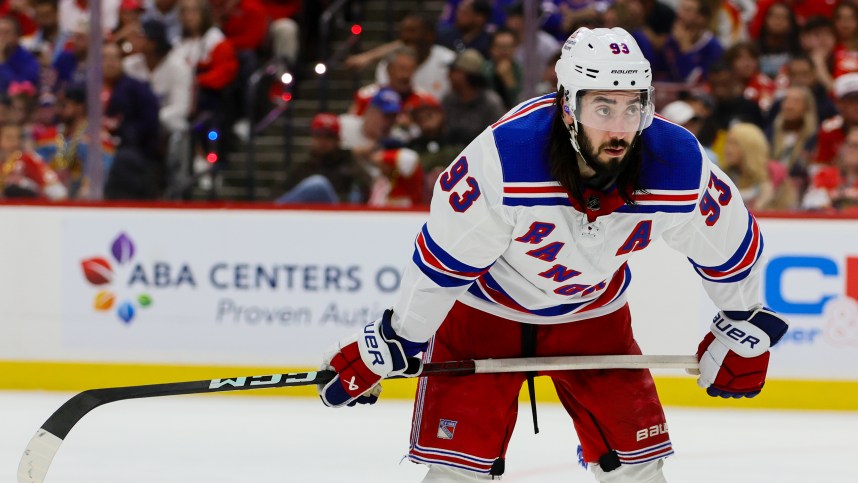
<point>691,47</point>
<point>16,63</point>
<point>131,111</point>
<point>470,30</point>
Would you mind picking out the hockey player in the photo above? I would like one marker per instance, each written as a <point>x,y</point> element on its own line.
<point>525,254</point>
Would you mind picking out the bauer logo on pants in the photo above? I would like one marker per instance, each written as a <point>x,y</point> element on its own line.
<point>446,428</point>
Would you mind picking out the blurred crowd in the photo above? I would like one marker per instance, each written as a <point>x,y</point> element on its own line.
<point>173,74</point>
<point>770,88</point>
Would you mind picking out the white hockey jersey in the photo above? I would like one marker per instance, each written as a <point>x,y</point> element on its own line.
<point>505,238</point>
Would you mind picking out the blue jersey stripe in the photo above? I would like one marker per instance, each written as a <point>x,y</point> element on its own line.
<point>530,102</point>
<point>651,449</point>
<point>444,257</point>
<point>556,310</point>
<point>738,255</point>
<point>656,208</point>
<point>454,454</point>
<point>656,457</point>
<point>447,463</point>
<point>739,276</point>
<point>558,201</point>
<point>441,279</point>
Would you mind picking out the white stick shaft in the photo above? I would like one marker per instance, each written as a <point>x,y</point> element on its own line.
<point>568,363</point>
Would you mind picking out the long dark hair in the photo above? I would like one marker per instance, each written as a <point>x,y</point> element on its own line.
<point>790,42</point>
<point>206,19</point>
<point>564,161</point>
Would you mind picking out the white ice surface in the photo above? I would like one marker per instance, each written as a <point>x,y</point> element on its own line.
<point>220,439</point>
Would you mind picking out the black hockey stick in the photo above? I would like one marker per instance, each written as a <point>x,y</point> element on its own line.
<point>39,453</point>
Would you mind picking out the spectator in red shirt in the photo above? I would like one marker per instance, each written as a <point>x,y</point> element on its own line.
<point>23,174</point>
<point>803,9</point>
<point>21,11</point>
<point>244,22</point>
<point>401,181</point>
<point>833,130</point>
<point>279,9</point>
<point>837,186</point>
<point>205,48</point>
<point>743,59</point>
<point>818,41</point>
<point>778,40</point>
<point>130,15</point>
<point>212,56</point>
<point>401,66</point>
<point>845,20</point>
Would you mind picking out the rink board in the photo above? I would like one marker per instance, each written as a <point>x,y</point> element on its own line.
<point>130,295</point>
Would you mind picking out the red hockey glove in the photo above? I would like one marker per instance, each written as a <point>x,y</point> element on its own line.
<point>734,356</point>
<point>364,360</point>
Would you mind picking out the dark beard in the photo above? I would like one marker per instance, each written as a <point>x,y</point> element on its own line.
<point>605,172</point>
<point>563,162</point>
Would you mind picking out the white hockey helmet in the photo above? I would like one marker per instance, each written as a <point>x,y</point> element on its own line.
<point>605,60</point>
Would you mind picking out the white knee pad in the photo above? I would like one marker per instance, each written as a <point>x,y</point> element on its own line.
<point>643,473</point>
<point>448,474</point>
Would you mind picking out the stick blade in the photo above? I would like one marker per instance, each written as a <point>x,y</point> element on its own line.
<point>38,456</point>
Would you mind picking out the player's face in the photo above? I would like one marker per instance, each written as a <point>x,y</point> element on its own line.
<point>609,121</point>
